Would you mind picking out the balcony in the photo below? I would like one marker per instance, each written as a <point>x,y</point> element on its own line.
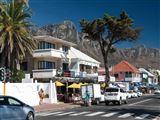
<point>44,73</point>
<point>49,53</point>
<point>133,79</point>
<point>83,74</point>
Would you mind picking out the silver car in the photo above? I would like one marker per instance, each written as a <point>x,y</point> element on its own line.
<point>13,109</point>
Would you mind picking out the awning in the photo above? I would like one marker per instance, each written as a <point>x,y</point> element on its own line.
<point>74,85</point>
<point>59,83</point>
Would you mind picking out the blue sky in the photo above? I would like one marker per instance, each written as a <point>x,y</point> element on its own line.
<point>146,14</point>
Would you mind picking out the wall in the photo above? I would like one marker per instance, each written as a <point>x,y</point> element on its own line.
<point>28,92</point>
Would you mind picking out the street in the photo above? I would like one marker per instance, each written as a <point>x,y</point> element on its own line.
<point>146,107</point>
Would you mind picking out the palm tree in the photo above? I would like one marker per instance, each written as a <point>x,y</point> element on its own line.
<point>15,39</point>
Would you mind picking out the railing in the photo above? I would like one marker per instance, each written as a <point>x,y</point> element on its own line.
<point>49,53</point>
<point>83,74</point>
<point>133,79</point>
<point>44,73</point>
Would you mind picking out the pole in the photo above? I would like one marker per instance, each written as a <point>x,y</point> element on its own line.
<point>4,88</point>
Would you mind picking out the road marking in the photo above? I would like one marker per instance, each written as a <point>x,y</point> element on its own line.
<point>94,114</point>
<point>139,102</point>
<point>81,113</point>
<point>61,114</point>
<point>125,115</point>
<point>109,114</point>
<point>47,114</point>
<point>141,117</point>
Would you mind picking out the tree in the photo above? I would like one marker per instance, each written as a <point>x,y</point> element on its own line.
<point>108,31</point>
<point>17,76</point>
<point>15,39</point>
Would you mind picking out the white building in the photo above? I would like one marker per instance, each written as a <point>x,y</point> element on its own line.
<point>147,76</point>
<point>55,56</point>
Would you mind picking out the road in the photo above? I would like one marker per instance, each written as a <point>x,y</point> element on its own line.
<point>144,108</point>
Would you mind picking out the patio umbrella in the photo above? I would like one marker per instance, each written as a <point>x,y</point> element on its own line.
<point>74,85</point>
<point>59,84</point>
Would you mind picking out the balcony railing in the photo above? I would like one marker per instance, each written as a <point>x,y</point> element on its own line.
<point>133,79</point>
<point>83,74</point>
<point>49,53</point>
<point>44,73</point>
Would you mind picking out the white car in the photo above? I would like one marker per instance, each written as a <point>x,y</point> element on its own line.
<point>115,95</point>
<point>129,95</point>
<point>134,95</point>
<point>139,93</point>
<point>157,91</point>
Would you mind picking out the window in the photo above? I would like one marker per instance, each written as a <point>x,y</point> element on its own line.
<point>65,48</point>
<point>24,66</point>
<point>112,90</point>
<point>121,90</point>
<point>65,67</point>
<point>46,65</point>
<point>128,74</point>
<point>2,101</point>
<point>46,45</point>
<point>13,102</point>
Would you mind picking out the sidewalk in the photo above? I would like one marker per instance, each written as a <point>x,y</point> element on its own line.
<point>54,107</point>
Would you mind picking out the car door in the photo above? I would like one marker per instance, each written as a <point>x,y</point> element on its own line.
<point>3,109</point>
<point>123,94</point>
<point>16,109</point>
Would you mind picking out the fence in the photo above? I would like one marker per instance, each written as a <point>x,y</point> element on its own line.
<point>28,92</point>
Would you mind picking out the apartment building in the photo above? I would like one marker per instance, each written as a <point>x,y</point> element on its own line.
<point>56,57</point>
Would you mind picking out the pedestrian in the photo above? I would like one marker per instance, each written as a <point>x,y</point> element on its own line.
<point>41,95</point>
<point>87,99</point>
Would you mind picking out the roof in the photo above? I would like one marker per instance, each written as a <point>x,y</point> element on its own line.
<point>124,66</point>
<point>74,53</point>
<point>145,71</point>
<point>53,39</point>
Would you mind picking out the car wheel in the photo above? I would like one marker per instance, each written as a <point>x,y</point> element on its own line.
<point>97,102</point>
<point>120,101</point>
<point>106,102</point>
<point>126,101</point>
<point>30,116</point>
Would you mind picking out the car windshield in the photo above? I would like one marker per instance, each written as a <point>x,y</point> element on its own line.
<point>112,90</point>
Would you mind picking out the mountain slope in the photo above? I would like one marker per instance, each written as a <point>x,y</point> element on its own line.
<point>140,56</point>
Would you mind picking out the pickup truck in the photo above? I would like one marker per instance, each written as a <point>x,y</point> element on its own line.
<point>115,95</point>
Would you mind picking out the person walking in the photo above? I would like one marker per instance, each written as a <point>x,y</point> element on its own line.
<point>41,95</point>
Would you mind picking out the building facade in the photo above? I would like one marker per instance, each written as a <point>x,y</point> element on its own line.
<point>124,71</point>
<point>56,57</point>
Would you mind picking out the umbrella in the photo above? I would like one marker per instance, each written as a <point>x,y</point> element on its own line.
<point>103,85</point>
<point>74,85</point>
<point>59,83</point>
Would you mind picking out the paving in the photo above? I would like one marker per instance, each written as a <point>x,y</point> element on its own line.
<point>54,107</point>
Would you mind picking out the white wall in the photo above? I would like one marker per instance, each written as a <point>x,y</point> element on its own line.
<point>28,92</point>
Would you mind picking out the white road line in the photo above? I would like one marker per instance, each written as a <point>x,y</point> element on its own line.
<point>109,114</point>
<point>125,115</point>
<point>139,102</point>
<point>141,117</point>
<point>81,113</point>
<point>47,114</point>
<point>94,114</point>
<point>61,114</point>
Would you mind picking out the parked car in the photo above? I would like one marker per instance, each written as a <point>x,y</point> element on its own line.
<point>139,93</point>
<point>115,95</point>
<point>133,94</point>
<point>13,109</point>
<point>157,91</point>
<point>129,95</point>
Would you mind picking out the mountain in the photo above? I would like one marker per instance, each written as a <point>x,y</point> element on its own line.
<point>140,56</point>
